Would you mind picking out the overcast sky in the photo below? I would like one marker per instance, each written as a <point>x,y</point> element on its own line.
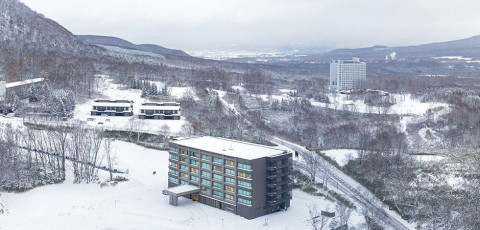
<point>194,25</point>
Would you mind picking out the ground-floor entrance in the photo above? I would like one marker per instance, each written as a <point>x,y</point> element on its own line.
<point>217,204</point>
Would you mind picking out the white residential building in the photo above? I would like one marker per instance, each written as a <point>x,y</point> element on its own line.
<point>160,111</point>
<point>346,74</point>
<point>112,108</point>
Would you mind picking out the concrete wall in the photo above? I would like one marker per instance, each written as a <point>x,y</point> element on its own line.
<point>259,193</point>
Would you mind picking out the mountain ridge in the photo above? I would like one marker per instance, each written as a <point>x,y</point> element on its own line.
<point>119,42</point>
<point>466,47</point>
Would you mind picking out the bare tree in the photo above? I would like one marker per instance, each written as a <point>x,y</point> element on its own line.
<point>165,131</point>
<point>316,219</point>
<point>110,156</point>
<point>342,213</point>
<point>311,163</point>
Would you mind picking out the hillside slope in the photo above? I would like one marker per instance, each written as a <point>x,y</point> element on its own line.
<point>23,28</point>
<point>113,41</point>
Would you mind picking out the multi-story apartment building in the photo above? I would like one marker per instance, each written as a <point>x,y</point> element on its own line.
<point>346,74</point>
<point>247,179</point>
<point>160,111</point>
<point>112,108</point>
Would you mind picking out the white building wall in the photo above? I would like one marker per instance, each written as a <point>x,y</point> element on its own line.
<point>3,90</point>
<point>344,74</point>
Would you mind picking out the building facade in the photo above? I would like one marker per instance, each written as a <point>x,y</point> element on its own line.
<point>160,111</point>
<point>112,108</point>
<point>3,89</point>
<point>246,179</point>
<point>347,74</point>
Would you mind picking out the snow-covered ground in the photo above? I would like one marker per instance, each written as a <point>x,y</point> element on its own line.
<point>226,105</point>
<point>405,104</point>
<point>341,156</point>
<point>113,91</point>
<point>138,203</point>
<point>425,158</point>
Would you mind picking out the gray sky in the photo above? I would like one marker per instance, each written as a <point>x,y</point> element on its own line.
<point>194,25</point>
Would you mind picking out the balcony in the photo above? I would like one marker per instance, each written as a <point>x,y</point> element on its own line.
<point>278,166</point>
<point>281,174</point>
<point>278,183</point>
<point>277,201</point>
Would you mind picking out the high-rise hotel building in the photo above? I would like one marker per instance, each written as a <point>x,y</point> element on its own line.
<point>346,74</point>
<point>247,179</point>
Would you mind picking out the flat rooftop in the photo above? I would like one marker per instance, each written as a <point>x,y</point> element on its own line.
<point>183,190</point>
<point>232,148</point>
<point>113,103</point>
<point>25,82</point>
<point>159,107</point>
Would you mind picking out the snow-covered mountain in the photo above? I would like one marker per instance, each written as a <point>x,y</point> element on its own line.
<point>468,47</point>
<point>118,42</point>
<point>23,28</point>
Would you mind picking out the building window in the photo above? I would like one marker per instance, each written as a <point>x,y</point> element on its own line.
<point>217,177</point>
<point>205,157</point>
<point>217,185</point>
<point>194,154</point>
<point>244,201</point>
<point>194,178</point>
<point>206,174</point>
<point>206,182</point>
<point>229,197</point>
<point>244,166</point>
<point>173,149</point>
<point>230,171</point>
<point>229,180</point>
<point>217,193</point>
<point>230,163</point>
<point>194,170</point>
<point>217,160</point>
<point>245,175</point>
<point>206,190</point>
<point>245,184</point>
<point>244,192</point>
<point>174,164</point>
<point>184,159</point>
<point>184,175</point>
<point>174,157</point>
<point>182,182</point>
<point>184,168</point>
<point>184,152</point>
<point>173,172</point>
<point>173,180</point>
<point>206,166</point>
<point>217,168</point>
<point>229,189</point>
<point>194,162</point>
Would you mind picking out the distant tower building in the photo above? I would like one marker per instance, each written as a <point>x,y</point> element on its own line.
<point>3,88</point>
<point>345,74</point>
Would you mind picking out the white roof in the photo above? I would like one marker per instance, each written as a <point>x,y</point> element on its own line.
<point>112,104</point>
<point>183,189</point>
<point>159,107</point>
<point>228,147</point>
<point>25,82</point>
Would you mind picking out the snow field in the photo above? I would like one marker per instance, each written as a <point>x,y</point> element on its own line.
<point>341,156</point>
<point>138,203</point>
